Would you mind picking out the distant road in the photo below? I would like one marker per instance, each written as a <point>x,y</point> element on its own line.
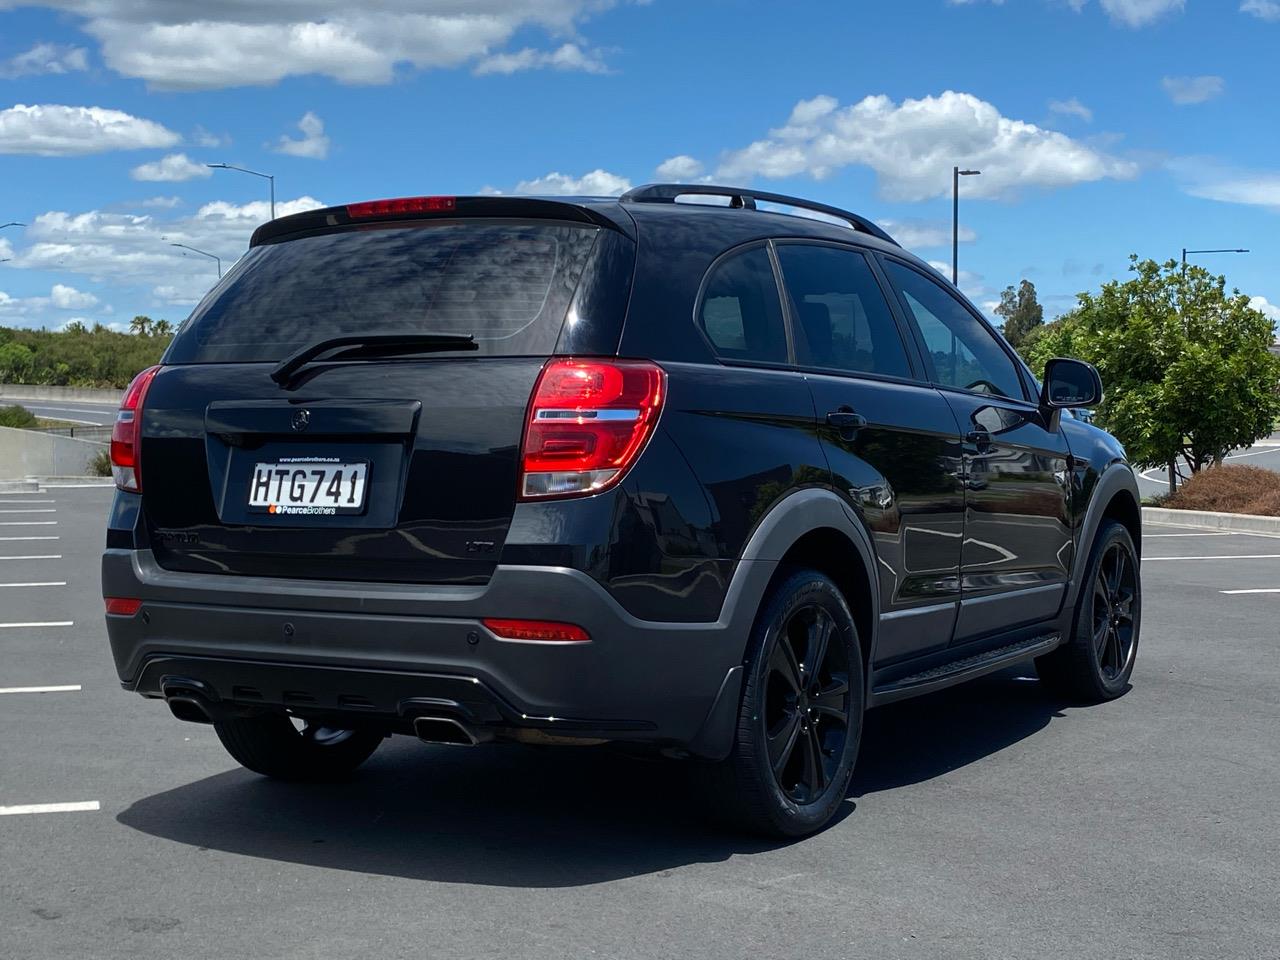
<point>77,412</point>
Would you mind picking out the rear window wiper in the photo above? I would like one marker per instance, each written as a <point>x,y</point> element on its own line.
<point>372,345</point>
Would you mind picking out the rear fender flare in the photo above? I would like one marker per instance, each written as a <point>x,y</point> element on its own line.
<point>1116,478</point>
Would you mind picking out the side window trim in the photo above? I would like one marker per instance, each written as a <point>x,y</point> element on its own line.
<point>910,347</point>
<point>777,289</point>
<point>900,297</point>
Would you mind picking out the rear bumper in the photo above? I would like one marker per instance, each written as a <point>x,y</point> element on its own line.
<point>392,651</point>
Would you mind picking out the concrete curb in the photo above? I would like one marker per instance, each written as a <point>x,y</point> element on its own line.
<point>26,391</point>
<point>73,480</point>
<point>19,486</point>
<point>1239,522</point>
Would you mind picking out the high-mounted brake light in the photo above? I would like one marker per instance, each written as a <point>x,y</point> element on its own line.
<point>391,208</point>
<point>126,434</point>
<point>539,631</point>
<point>588,422</point>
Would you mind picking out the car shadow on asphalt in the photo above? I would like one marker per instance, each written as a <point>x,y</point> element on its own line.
<point>516,816</point>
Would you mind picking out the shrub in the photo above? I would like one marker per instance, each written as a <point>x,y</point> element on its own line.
<point>100,464</point>
<point>16,416</point>
<point>1230,489</point>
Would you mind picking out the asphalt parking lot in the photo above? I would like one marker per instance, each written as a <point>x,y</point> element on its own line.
<point>988,821</point>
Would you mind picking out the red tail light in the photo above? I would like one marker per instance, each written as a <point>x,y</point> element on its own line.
<point>542,631</point>
<point>126,435</point>
<point>403,205</point>
<point>588,422</point>
<point>122,606</point>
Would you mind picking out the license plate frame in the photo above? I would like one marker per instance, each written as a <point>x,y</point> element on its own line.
<point>342,489</point>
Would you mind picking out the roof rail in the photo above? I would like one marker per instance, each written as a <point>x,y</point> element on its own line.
<point>743,198</point>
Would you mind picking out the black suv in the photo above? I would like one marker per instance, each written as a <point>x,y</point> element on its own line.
<point>703,477</point>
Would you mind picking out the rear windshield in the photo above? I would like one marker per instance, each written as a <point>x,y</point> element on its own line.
<point>507,283</point>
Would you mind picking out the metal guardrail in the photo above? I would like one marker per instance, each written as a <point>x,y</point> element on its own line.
<point>96,434</point>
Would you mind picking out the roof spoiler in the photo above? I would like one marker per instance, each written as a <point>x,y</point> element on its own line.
<point>745,199</point>
<point>434,208</point>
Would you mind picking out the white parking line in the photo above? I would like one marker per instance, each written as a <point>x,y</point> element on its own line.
<point>7,502</point>
<point>65,688</point>
<point>20,539</point>
<point>44,623</point>
<point>36,556</point>
<point>84,806</point>
<point>37,583</point>
<point>36,510</point>
<point>1237,592</point>
<point>1238,556</point>
<point>28,523</point>
<point>1153,536</point>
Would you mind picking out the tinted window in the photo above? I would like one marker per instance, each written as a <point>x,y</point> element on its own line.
<point>842,319</point>
<point>509,284</point>
<point>741,313</point>
<point>961,350</point>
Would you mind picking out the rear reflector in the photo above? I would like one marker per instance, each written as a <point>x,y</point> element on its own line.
<point>542,631</point>
<point>126,434</point>
<point>122,606</point>
<point>392,208</point>
<point>589,421</point>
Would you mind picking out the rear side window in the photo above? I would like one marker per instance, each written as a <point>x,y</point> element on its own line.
<point>507,283</point>
<point>843,321</point>
<point>962,352</point>
<point>741,313</point>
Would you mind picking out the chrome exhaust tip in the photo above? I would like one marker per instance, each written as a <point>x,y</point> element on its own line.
<point>444,730</point>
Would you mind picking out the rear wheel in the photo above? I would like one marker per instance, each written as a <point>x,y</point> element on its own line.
<point>800,721</point>
<point>1095,664</point>
<point>274,747</point>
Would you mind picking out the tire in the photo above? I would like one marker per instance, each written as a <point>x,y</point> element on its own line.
<point>272,746</point>
<point>785,700</point>
<point>1096,662</point>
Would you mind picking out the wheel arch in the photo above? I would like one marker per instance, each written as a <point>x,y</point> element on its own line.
<point>1115,497</point>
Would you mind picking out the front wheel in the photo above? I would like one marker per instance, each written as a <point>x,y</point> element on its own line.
<point>1095,664</point>
<point>272,746</point>
<point>800,721</point>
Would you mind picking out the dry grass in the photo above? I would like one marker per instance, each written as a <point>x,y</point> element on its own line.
<point>1230,490</point>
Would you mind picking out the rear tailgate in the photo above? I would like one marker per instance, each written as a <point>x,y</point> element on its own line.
<point>376,469</point>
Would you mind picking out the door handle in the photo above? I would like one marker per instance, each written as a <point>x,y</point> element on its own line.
<point>847,421</point>
<point>981,439</point>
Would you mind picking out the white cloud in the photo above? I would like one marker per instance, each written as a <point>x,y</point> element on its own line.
<point>231,43</point>
<point>1265,307</point>
<point>1188,90</point>
<point>69,298</point>
<point>597,183</point>
<point>569,56</point>
<point>53,130</point>
<point>312,144</point>
<point>131,249</point>
<point>1130,13</point>
<point>45,58</point>
<point>1071,108</point>
<point>1262,9</point>
<point>175,168</point>
<point>680,169</point>
<point>914,234</point>
<point>205,138</point>
<point>162,203</point>
<point>913,145</point>
<point>1208,179</point>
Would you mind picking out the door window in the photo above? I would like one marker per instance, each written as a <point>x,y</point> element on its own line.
<point>962,352</point>
<point>843,321</point>
<point>741,313</point>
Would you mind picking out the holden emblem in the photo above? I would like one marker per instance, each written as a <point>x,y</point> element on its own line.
<point>301,420</point>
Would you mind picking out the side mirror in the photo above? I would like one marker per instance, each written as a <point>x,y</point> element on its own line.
<point>1070,383</point>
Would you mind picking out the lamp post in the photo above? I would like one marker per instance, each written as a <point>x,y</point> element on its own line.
<point>265,176</point>
<point>956,174</point>
<point>202,253</point>
<point>1173,467</point>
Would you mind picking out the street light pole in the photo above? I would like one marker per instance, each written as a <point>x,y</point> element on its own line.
<point>1173,467</point>
<point>202,253</point>
<point>956,174</point>
<point>266,176</point>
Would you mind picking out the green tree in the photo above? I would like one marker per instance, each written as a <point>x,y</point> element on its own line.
<point>15,362</point>
<point>141,326</point>
<point>1186,366</point>
<point>161,328</point>
<point>1021,311</point>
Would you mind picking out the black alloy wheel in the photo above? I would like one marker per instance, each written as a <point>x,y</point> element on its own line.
<point>1115,588</point>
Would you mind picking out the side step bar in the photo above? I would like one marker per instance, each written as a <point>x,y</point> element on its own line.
<point>949,674</point>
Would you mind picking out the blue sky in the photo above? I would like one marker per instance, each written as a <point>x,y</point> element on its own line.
<point>1103,127</point>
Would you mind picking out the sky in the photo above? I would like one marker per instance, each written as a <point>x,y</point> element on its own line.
<point>1102,127</point>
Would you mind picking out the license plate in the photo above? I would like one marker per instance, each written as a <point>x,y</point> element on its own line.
<point>300,487</point>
